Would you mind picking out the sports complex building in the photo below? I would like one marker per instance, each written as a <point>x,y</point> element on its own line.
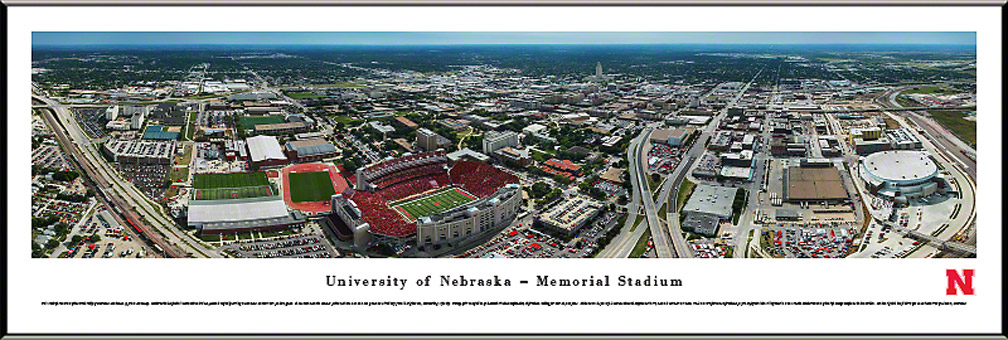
<point>243,214</point>
<point>237,202</point>
<point>899,175</point>
<point>419,200</point>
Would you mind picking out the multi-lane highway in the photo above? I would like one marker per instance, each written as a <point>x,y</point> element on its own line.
<point>623,243</point>
<point>123,195</point>
<point>694,153</point>
<point>666,234</point>
<point>659,231</point>
<point>950,154</point>
<point>956,148</point>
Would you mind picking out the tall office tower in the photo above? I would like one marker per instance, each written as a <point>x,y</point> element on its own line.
<point>598,69</point>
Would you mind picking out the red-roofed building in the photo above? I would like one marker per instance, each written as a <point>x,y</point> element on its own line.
<point>564,168</point>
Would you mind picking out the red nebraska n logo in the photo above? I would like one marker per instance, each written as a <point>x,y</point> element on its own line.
<point>965,284</point>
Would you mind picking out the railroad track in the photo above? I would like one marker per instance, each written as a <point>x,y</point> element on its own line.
<point>139,229</point>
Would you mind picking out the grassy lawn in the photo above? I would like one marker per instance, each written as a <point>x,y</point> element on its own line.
<point>338,84</point>
<point>171,192</point>
<point>276,232</point>
<point>641,247</point>
<point>906,102</point>
<point>345,120</point>
<point>685,189</point>
<point>185,157</point>
<point>249,122</point>
<point>953,120</point>
<point>311,186</point>
<point>637,222</point>
<point>179,174</point>
<point>651,184</point>
<point>540,156</point>
<point>931,90</point>
<point>191,128</point>
<point>662,211</point>
<point>235,180</point>
<point>202,96</point>
<point>748,241</point>
<point>433,203</point>
<point>302,95</point>
<point>738,205</point>
<point>245,235</point>
<point>210,237</point>
<point>622,221</point>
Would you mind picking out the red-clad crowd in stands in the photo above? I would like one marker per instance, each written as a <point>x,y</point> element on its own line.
<point>480,179</point>
<point>379,171</point>
<point>408,174</point>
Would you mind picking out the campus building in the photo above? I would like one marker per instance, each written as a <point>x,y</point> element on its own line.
<point>310,150</point>
<point>140,151</point>
<point>569,216</point>
<point>265,152</point>
<point>244,214</point>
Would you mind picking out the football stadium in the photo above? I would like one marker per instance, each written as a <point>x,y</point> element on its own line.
<point>433,203</point>
<point>394,199</point>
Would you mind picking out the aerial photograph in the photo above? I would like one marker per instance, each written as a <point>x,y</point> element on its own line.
<point>503,145</point>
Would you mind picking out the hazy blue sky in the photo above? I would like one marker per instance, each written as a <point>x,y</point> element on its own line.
<point>452,38</point>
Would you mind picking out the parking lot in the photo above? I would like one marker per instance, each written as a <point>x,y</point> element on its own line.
<point>610,189</point>
<point>92,121</point>
<point>291,246</point>
<point>663,158</point>
<point>49,156</point>
<point>150,179</point>
<point>814,240</point>
<point>113,241</point>
<point>708,250</point>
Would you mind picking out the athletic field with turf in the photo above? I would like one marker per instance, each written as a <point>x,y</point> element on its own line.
<point>311,186</point>
<point>240,179</point>
<point>233,193</point>
<point>432,203</point>
<point>249,122</point>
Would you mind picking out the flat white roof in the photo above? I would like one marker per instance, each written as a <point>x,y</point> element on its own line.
<point>233,210</point>
<point>262,148</point>
<point>900,166</point>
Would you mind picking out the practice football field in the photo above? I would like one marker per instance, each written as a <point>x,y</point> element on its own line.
<point>433,203</point>
<point>311,186</point>
<point>234,180</point>
<point>232,193</point>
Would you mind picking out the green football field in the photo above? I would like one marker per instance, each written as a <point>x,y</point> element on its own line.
<point>433,203</point>
<point>232,193</point>
<point>311,186</point>
<point>235,180</point>
<point>249,122</point>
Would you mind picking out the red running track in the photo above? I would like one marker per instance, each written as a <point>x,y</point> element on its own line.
<point>339,184</point>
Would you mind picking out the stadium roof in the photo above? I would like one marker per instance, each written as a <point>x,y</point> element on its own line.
<point>263,148</point>
<point>236,210</point>
<point>813,184</point>
<point>900,166</point>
